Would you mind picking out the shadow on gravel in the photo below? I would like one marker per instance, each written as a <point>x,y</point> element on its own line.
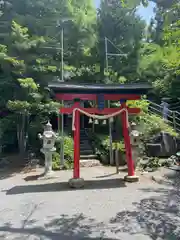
<point>33,177</point>
<point>63,186</point>
<point>6,173</point>
<point>77,227</point>
<point>173,178</point>
<point>170,178</point>
<point>157,216</point>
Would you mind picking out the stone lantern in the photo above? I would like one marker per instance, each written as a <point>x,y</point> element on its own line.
<point>49,138</point>
<point>135,143</point>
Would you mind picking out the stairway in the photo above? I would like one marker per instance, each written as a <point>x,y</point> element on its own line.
<point>173,116</point>
<point>87,156</point>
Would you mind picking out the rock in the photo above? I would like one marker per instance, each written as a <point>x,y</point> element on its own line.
<point>76,182</point>
<point>175,168</point>
<point>158,179</point>
<point>34,162</point>
<point>163,161</point>
<point>148,169</point>
<point>153,149</point>
<point>162,145</point>
<point>131,179</point>
<point>169,144</point>
<point>104,159</point>
<point>144,161</point>
<point>144,172</point>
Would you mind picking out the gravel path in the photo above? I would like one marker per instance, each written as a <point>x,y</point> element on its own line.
<point>107,208</point>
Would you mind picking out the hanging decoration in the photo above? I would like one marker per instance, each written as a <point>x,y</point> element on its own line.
<point>90,120</point>
<point>104,122</point>
<point>96,122</point>
<point>99,117</point>
<point>111,120</point>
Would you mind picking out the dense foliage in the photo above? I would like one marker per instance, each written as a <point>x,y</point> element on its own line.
<point>68,153</point>
<point>160,54</point>
<point>30,55</point>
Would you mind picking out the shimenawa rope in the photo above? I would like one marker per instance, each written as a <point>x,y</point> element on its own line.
<point>98,116</point>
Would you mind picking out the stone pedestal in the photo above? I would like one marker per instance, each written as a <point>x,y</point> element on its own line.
<point>76,182</point>
<point>47,175</point>
<point>135,155</point>
<point>131,178</point>
<point>48,172</point>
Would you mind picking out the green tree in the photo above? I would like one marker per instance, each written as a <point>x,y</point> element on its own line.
<point>30,54</point>
<point>26,96</point>
<point>47,18</point>
<point>160,63</point>
<point>121,25</point>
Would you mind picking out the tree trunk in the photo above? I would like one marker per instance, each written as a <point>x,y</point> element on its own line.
<point>21,135</point>
<point>117,160</point>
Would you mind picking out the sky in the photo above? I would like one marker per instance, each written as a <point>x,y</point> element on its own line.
<point>145,13</point>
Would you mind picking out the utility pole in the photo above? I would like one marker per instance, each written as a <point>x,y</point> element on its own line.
<point>109,105</point>
<point>62,102</point>
<point>62,80</point>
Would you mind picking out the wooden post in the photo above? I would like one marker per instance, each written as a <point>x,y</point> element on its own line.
<point>127,142</point>
<point>76,173</point>
<point>117,158</point>
<point>76,181</point>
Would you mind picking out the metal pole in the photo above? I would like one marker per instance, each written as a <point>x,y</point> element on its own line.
<point>174,120</point>
<point>110,139</point>
<point>62,79</point>
<point>109,105</point>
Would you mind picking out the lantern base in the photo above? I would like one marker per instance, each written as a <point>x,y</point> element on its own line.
<point>76,182</point>
<point>47,175</point>
<point>131,179</point>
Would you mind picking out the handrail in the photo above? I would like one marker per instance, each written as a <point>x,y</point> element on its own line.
<point>173,117</point>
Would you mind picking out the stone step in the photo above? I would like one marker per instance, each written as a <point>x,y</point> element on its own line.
<point>90,163</point>
<point>87,153</point>
<point>87,147</point>
<point>85,141</point>
<point>86,157</point>
<point>85,144</point>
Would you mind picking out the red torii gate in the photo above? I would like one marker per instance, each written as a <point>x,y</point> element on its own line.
<point>100,93</point>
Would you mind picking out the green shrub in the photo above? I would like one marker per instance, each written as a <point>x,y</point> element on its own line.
<point>153,163</point>
<point>68,153</point>
<point>56,161</point>
<point>142,104</point>
<point>101,145</point>
<point>119,146</point>
<point>97,145</point>
<point>149,124</point>
<point>152,125</point>
<point>115,145</point>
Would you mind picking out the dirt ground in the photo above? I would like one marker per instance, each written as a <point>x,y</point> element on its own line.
<point>106,208</point>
